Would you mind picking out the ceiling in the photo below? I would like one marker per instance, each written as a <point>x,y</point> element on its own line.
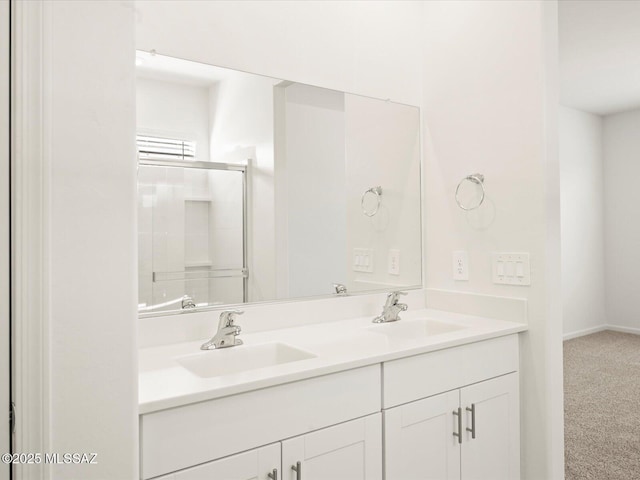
<point>600,55</point>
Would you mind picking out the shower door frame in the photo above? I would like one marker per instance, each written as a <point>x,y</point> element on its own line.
<point>235,167</point>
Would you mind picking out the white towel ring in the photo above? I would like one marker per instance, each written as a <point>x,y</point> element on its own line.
<point>377,191</point>
<point>476,178</point>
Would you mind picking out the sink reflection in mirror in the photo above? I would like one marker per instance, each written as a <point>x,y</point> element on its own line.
<point>257,189</point>
<point>216,363</point>
<point>414,329</point>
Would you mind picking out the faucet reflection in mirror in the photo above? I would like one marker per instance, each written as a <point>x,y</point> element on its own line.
<point>250,189</point>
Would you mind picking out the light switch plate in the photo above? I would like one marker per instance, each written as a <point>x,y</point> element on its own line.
<point>363,260</point>
<point>511,268</point>
<point>460,265</point>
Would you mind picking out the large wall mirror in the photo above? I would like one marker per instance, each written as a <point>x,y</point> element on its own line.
<point>257,189</point>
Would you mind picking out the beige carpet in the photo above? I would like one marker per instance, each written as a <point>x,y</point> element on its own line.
<point>602,406</point>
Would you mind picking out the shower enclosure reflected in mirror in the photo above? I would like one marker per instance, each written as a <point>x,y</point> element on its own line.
<point>258,189</point>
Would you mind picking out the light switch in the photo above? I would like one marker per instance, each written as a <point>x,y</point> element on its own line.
<point>362,260</point>
<point>511,268</point>
<point>460,265</point>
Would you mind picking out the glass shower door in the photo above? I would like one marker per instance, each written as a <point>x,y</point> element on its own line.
<point>191,235</point>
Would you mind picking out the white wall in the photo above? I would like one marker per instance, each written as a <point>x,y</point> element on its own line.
<point>599,42</point>
<point>490,106</point>
<point>583,233</point>
<point>621,200</point>
<point>90,117</point>
<point>361,47</point>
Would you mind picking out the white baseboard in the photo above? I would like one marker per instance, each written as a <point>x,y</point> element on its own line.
<point>600,328</point>
<point>586,331</point>
<point>618,328</point>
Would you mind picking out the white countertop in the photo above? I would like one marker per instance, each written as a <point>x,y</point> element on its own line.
<point>337,346</point>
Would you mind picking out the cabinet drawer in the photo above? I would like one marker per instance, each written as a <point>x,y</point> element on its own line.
<point>181,437</point>
<point>421,376</point>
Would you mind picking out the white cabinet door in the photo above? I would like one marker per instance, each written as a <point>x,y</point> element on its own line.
<point>494,453</point>
<point>252,465</point>
<point>419,440</point>
<point>349,451</point>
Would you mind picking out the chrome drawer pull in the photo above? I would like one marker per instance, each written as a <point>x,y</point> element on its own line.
<point>298,469</point>
<point>473,420</point>
<point>273,475</point>
<point>459,432</point>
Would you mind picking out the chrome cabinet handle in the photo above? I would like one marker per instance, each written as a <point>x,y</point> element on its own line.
<point>298,469</point>
<point>273,475</point>
<point>459,432</point>
<point>473,420</point>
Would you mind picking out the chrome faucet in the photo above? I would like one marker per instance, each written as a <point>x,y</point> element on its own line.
<point>340,289</point>
<point>187,302</point>
<point>227,332</point>
<point>391,308</point>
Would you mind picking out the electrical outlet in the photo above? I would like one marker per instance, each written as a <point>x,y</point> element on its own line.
<point>460,265</point>
<point>394,262</point>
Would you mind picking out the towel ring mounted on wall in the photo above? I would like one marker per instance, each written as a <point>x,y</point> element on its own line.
<point>476,178</point>
<point>377,191</point>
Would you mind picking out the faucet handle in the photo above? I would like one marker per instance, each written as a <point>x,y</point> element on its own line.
<point>187,302</point>
<point>340,289</point>
<point>392,297</point>
<point>228,316</point>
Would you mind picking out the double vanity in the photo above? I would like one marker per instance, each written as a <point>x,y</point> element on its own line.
<point>434,395</point>
<point>261,189</point>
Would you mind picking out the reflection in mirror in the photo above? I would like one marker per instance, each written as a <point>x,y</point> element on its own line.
<point>258,189</point>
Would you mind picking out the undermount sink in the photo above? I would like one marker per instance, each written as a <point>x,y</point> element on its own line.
<point>411,329</point>
<point>225,361</point>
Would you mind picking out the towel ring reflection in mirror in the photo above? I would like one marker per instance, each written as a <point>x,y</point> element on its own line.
<point>377,191</point>
<point>478,179</point>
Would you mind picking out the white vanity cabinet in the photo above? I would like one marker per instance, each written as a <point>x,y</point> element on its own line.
<point>349,451</point>
<point>419,441</point>
<point>494,453</point>
<point>469,432</point>
<point>255,464</point>
<point>179,438</point>
<point>409,418</point>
